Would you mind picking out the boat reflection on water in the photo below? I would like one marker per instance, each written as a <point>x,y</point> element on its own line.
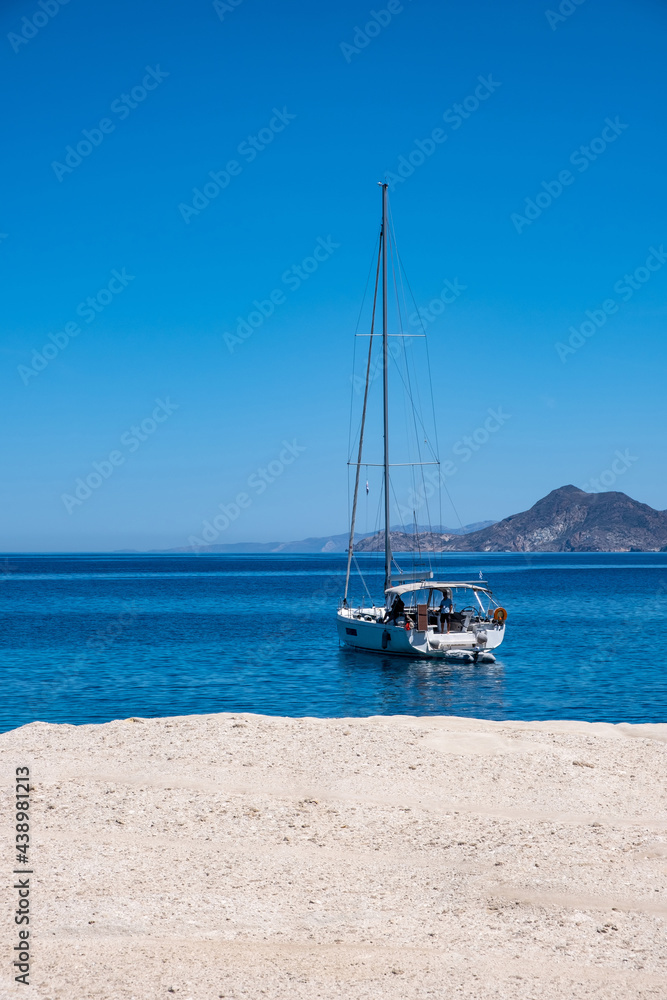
<point>403,686</point>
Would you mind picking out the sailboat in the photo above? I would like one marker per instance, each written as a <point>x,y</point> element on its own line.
<point>430,616</point>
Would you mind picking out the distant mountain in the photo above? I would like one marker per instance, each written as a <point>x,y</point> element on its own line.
<point>401,541</point>
<point>327,543</point>
<point>439,529</point>
<point>567,520</point>
<point>240,548</point>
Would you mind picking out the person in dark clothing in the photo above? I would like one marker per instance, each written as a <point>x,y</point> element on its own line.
<point>444,611</point>
<point>396,610</point>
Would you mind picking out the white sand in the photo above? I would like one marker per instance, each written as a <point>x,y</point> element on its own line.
<point>254,857</point>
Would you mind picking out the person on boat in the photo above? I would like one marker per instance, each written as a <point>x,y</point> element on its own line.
<point>444,610</point>
<point>395,611</point>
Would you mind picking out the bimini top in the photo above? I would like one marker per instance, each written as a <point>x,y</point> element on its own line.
<point>406,588</point>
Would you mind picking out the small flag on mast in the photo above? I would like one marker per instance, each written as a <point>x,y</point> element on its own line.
<point>367,488</point>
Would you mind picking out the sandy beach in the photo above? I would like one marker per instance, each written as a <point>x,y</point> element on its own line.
<point>245,856</point>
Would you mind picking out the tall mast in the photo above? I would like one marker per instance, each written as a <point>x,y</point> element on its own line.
<point>385,393</point>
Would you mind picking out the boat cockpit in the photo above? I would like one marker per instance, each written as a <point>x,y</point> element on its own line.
<point>452,606</point>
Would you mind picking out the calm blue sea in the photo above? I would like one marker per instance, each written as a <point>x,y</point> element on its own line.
<point>94,638</point>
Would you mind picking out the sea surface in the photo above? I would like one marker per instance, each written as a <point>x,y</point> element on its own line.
<point>98,637</point>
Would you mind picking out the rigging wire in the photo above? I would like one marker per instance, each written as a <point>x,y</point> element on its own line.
<point>430,379</point>
<point>356,330</point>
<point>420,473</point>
<point>362,428</point>
<point>401,272</point>
<point>420,421</point>
<point>416,414</point>
<point>374,555</point>
<point>352,386</point>
<point>363,579</point>
<point>407,358</point>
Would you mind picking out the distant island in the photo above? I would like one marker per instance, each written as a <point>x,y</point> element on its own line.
<point>566,520</point>
<point>326,543</point>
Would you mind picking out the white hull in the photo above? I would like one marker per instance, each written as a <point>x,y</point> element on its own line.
<point>363,629</point>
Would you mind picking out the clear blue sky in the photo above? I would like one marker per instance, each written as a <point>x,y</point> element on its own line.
<point>162,334</point>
